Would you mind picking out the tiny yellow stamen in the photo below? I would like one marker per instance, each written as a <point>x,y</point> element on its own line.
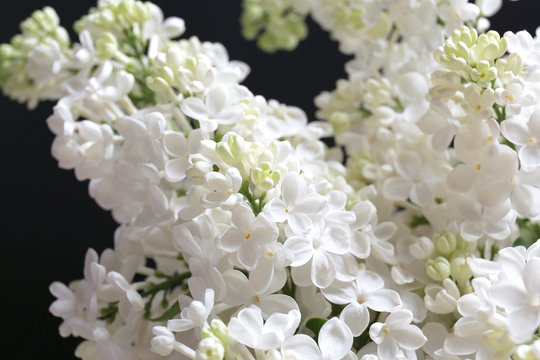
<point>510,98</point>
<point>478,166</point>
<point>385,331</point>
<point>490,138</point>
<point>531,140</point>
<point>257,298</point>
<point>248,236</point>
<point>286,210</point>
<point>270,253</point>
<point>478,107</point>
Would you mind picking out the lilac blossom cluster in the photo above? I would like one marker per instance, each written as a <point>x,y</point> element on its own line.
<point>242,235</point>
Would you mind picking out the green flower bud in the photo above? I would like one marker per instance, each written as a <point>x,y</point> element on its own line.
<point>466,246</point>
<point>524,352</point>
<point>461,272</point>
<point>158,84</point>
<point>340,121</point>
<point>106,46</point>
<point>221,331</point>
<point>445,242</point>
<point>438,269</point>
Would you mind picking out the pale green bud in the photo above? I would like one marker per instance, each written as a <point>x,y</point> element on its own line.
<point>157,84</point>
<point>191,64</point>
<point>438,269</point>
<point>221,331</point>
<point>166,74</point>
<point>524,352</point>
<point>356,164</point>
<point>466,246</point>
<point>105,18</point>
<point>465,288</point>
<point>265,185</point>
<point>210,348</point>
<point>445,242</point>
<point>224,152</point>
<point>382,28</point>
<point>106,46</point>
<point>422,248</point>
<point>467,35</point>
<point>175,58</point>
<point>461,272</point>
<point>237,145</point>
<point>140,12</point>
<point>340,121</point>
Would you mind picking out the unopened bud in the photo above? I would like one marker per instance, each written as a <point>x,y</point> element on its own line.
<point>445,242</point>
<point>438,269</point>
<point>461,272</point>
<point>422,248</point>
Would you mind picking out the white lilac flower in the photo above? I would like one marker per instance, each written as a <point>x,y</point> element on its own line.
<point>396,335</point>
<point>180,148</point>
<point>246,235</point>
<point>525,133</point>
<point>119,289</point>
<point>195,315</point>
<point>296,204</point>
<point>248,328</point>
<point>240,292</point>
<point>519,294</point>
<point>214,111</point>
<point>366,292</point>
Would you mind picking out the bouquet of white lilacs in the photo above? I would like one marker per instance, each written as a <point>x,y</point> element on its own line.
<point>244,236</point>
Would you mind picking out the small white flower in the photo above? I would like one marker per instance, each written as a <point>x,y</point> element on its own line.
<point>296,204</point>
<point>214,111</point>
<point>247,328</point>
<point>396,334</point>
<point>246,235</point>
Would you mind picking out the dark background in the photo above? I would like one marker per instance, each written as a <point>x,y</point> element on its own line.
<point>48,218</point>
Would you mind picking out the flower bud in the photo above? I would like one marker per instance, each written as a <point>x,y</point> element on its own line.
<point>461,272</point>
<point>221,331</point>
<point>340,121</point>
<point>466,246</point>
<point>445,242</point>
<point>422,248</point>
<point>524,352</point>
<point>106,46</point>
<point>210,348</point>
<point>438,269</point>
<point>163,341</point>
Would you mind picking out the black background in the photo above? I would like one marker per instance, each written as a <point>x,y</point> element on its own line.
<point>47,216</point>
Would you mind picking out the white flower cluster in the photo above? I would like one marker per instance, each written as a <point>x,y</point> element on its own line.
<point>243,236</point>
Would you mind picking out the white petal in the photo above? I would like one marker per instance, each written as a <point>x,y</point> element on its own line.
<point>323,271</point>
<point>303,346</point>
<point>301,248</point>
<point>335,339</point>
<point>516,131</point>
<point>247,326</point>
<point>277,303</point>
<point>194,108</point>
<point>216,98</point>
<point>461,178</point>
<point>356,317</point>
<point>397,188</point>
<point>383,300</point>
<point>248,255</point>
<point>409,337</point>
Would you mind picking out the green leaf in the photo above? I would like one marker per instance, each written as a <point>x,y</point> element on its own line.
<point>529,233</point>
<point>169,314</point>
<point>315,325</point>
